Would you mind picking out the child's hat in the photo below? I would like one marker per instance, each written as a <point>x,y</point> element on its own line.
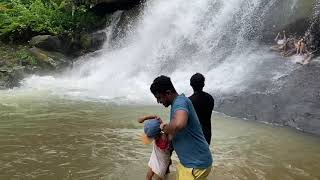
<point>152,128</point>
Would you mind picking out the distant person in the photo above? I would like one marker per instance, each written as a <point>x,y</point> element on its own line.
<point>161,152</point>
<point>290,47</point>
<point>301,47</point>
<point>185,131</point>
<point>203,103</point>
<point>280,41</point>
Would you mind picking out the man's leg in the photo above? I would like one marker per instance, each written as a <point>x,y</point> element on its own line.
<point>201,173</point>
<point>184,173</point>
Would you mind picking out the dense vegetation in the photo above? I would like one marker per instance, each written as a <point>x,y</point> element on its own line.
<point>22,19</point>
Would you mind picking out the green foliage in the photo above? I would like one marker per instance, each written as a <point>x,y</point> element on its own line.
<point>25,57</point>
<point>20,19</point>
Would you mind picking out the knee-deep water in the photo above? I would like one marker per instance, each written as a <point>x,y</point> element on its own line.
<point>49,137</point>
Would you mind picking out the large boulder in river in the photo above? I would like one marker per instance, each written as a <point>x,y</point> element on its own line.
<point>296,103</point>
<point>46,42</point>
<point>80,43</point>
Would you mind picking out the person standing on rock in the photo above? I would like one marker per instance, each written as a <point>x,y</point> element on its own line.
<point>184,129</point>
<point>203,103</point>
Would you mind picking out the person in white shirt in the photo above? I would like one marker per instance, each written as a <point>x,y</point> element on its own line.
<point>161,153</point>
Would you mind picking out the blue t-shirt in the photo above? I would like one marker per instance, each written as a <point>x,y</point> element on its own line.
<point>189,143</point>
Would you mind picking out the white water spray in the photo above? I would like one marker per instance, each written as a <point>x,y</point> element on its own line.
<point>176,38</point>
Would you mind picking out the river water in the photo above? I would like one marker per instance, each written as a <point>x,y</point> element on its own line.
<point>82,123</point>
<point>46,136</point>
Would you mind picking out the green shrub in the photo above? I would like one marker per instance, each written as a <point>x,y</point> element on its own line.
<point>25,57</point>
<point>21,19</point>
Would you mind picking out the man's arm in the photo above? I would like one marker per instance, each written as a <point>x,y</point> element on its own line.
<point>179,122</point>
<point>144,118</point>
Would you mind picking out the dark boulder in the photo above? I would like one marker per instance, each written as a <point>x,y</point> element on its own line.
<point>296,103</point>
<point>73,45</point>
<point>46,42</point>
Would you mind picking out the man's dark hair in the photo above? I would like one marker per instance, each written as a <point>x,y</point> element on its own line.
<point>161,85</point>
<point>197,82</point>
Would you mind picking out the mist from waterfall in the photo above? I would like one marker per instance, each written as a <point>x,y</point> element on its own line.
<point>177,38</point>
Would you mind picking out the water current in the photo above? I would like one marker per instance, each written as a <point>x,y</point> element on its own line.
<point>81,124</point>
<point>49,137</point>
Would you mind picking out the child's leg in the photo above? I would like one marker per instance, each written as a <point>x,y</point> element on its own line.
<point>157,177</point>
<point>150,174</point>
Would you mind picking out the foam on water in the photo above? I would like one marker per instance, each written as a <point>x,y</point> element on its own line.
<point>175,38</point>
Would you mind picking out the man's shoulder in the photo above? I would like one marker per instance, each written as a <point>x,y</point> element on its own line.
<point>183,99</point>
<point>208,95</point>
<point>192,97</point>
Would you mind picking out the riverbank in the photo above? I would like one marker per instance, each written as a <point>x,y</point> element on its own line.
<point>46,37</point>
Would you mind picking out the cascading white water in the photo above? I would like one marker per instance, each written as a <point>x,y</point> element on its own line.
<point>176,38</point>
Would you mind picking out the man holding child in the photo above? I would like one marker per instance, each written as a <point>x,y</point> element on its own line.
<point>184,131</point>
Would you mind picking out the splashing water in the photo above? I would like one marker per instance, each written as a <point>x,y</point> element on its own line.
<point>218,38</point>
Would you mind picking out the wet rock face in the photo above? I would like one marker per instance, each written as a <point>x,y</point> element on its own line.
<point>73,46</point>
<point>292,16</point>
<point>93,41</point>
<point>296,103</point>
<point>102,7</point>
<point>313,35</point>
<point>10,76</point>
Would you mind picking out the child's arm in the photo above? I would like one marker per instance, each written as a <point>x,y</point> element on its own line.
<point>144,118</point>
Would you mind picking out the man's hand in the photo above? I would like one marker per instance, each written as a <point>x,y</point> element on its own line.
<point>159,119</point>
<point>162,125</point>
<point>179,122</point>
<point>144,118</point>
<point>141,119</point>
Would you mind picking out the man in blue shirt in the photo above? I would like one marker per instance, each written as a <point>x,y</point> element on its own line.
<point>184,130</point>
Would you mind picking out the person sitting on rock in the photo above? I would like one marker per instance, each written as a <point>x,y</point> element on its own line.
<point>301,47</point>
<point>281,43</point>
<point>288,49</point>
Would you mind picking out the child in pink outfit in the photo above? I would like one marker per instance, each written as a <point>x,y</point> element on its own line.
<point>161,153</point>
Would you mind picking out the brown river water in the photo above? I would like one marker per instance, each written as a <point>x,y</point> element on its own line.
<point>53,138</point>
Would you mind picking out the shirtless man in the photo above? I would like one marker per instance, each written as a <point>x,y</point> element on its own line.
<point>301,46</point>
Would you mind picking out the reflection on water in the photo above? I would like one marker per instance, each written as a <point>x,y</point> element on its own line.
<point>50,138</point>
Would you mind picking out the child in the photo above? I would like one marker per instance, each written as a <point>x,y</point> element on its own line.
<point>161,153</point>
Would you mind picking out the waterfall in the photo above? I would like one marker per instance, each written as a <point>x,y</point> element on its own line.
<point>177,38</point>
